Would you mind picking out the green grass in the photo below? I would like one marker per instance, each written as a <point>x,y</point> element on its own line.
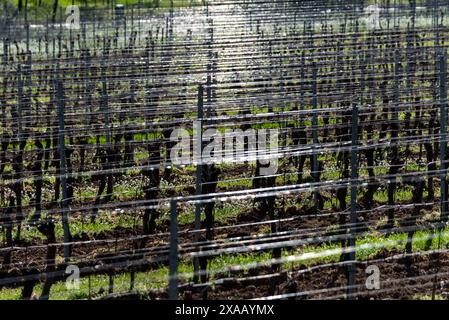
<point>105,221</point>
<point>222,214</point>
<point>103,4</point>
<point>45,9</point>
<point>427,298</point>
<point>236,183</point>
<point>368,246</point>
<point>143,282</point>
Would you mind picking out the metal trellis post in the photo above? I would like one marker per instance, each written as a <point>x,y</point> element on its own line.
<point>63,170</point>
<point>198,145</point>
<point>173,257</point>
<point>443,136</point>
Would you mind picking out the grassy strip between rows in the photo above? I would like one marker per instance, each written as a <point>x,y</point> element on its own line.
<point>104,4</point>
<point>367,247</point>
